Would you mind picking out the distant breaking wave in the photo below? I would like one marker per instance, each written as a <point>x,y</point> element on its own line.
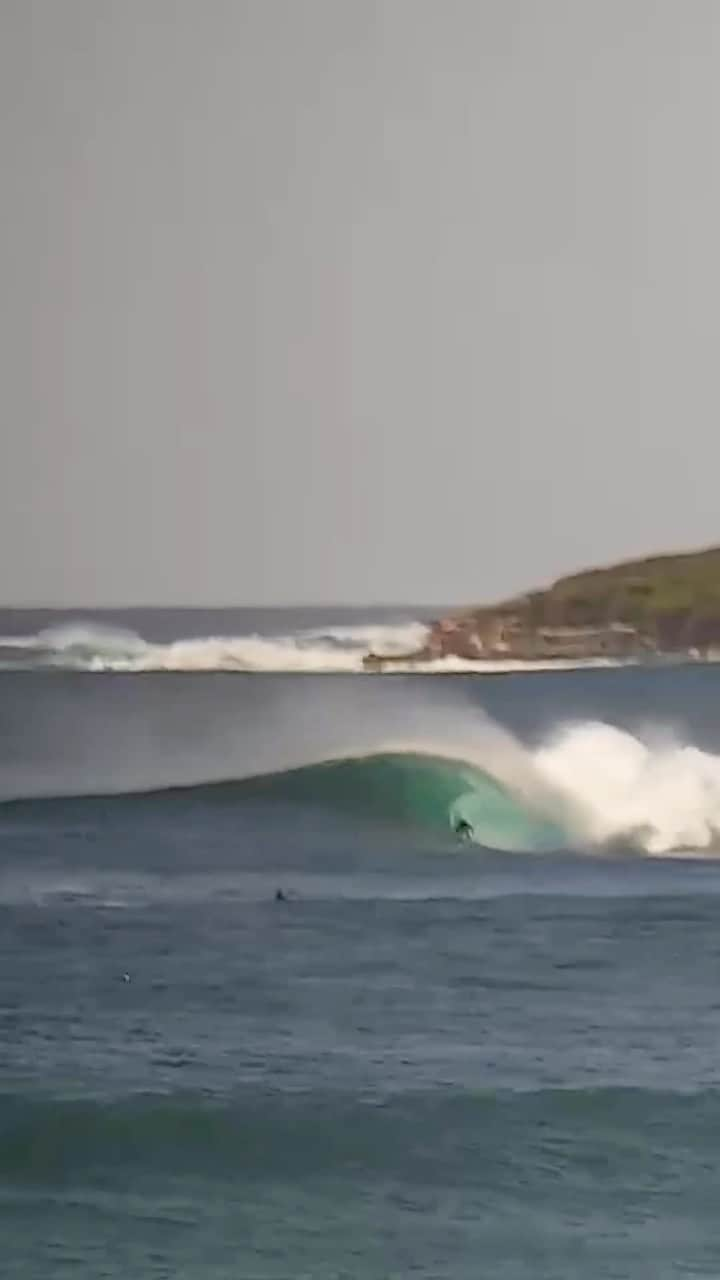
<point>95,647</point>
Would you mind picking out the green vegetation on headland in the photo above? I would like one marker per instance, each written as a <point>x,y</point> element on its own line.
<point>667,604</point>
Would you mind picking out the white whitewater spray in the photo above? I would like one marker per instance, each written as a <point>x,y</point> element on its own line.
<point>602,785</point>
<point>598,782</point>
<point>92,646</point>
<point>660,798</point>
<point>97,647</point>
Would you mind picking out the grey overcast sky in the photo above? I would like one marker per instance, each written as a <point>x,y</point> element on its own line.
<point>354,300</point>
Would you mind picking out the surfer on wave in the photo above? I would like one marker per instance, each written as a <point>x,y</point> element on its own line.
<point>463,829</point>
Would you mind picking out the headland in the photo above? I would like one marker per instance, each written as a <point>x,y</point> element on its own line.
<point>663,606</point>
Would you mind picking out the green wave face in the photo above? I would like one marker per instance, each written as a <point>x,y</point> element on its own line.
<point>427,791</point>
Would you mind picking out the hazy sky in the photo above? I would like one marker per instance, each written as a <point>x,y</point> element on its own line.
<point>359,300</point>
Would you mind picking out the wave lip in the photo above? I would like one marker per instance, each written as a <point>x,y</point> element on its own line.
<point>591,788</point>
<point>432,791</point>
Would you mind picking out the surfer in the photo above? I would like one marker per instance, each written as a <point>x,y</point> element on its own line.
<point>280,896</point>
<point>463,829</point>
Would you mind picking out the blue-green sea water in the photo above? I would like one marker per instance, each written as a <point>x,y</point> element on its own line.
<point>491,1051</point>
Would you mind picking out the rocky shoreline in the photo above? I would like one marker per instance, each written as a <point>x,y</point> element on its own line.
<point>640,610</point>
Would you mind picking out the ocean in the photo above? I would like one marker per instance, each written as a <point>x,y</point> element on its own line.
<point>478,1033</point>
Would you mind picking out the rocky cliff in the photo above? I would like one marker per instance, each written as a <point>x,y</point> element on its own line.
<point>665,605</point>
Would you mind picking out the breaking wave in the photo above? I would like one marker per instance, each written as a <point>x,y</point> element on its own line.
<point>97,647</point>
<point>405,751</point>
<point>426,790</point>
<point>590,787</point>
